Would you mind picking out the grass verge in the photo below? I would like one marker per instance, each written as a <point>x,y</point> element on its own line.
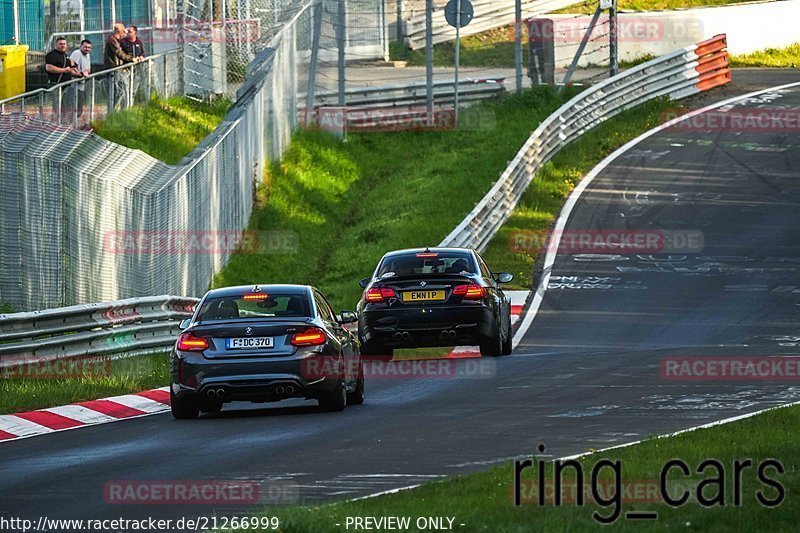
<point>346,204</point>
<point>788,57</point>
<point>166,129</point>
<point>58,385</point>
<point>483,501</point>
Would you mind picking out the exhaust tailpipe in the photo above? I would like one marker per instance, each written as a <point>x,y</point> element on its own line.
<point>289,389</point>
<point>220,393</point>
<point>279,390</point>
<point>406,335</point>
<point>451,334</point>
<point>211,393</point>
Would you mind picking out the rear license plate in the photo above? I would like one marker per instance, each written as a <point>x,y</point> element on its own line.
<point>249,342</point>
<point>423,296</point>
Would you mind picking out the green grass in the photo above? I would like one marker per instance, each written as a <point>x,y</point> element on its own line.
<point>494,48</point>
<point>166,129</point>
<point>788,57</point>
<point>6,308</point>
<point>123,376</point>
<point>543,199</point>
<point>349,203</point>
<point>482,502</point>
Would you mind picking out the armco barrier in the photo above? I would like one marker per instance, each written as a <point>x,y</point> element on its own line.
<point>135,326</point>
<point>685,72</point>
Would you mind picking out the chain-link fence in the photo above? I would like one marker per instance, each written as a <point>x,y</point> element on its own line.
<point>83,219</point>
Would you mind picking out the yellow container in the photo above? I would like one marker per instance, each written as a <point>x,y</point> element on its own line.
<point>12,70</point>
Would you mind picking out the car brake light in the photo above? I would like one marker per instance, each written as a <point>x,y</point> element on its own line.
<point>188,342</point>
<point>310,337</point>
<point>470,292</point>
<point>428,254</point>
<point>255,297</point>
<point>379,294</point>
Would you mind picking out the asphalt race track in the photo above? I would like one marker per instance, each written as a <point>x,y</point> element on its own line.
<point>586,375</point>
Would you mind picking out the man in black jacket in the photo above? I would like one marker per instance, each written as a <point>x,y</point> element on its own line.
<point>115,56</point>
<point>132,45</point>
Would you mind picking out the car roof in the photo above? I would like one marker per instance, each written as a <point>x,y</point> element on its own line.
<point>247,289</point>
<point>431,250</point>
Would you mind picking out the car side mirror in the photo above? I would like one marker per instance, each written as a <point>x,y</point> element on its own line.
<point>504,277</point>
<point>185,323</point>
<point>347,317</point>
<point>364,282</point>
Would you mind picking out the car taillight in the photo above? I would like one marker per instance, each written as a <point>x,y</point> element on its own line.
<point>470,292</point>
<point>378,295</point>
<point>310,337</point>
<point>188,342</point>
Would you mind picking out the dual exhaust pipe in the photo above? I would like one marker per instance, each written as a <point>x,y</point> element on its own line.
<point>280,390</point>
<point>216,393</point>
<point>448,334</point>
<point>402,336</point>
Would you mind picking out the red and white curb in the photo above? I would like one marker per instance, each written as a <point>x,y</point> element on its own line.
<point>32,423</point>
<point>518,300</point>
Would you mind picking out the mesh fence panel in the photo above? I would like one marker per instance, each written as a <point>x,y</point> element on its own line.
<point>83,219</point>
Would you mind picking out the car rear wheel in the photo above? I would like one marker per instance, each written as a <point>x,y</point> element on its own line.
<point>335,400</point>
<point>492,346</point>
<point>508,343</point>
<point>182,408</point>
<point>357,396</point>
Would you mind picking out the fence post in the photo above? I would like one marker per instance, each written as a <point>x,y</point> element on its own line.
<point>612,35</point>
<point>91,108</point>
<point>75,96</point>
<point>149,85</point>
<point>41,106</point>
<point>341,37</point>
<point>129,103</point>
<point>429,60</point>
<point>112,86</point>
<point>164,77</point>
<point>518,42</point>
<point>312,75</point>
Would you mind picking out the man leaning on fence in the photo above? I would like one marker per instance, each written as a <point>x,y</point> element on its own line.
<point>83,64</point>
<point>115,56</point>
<point>60,68</point>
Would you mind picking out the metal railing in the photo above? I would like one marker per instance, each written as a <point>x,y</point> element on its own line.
<point>489,14</point>
<point>685,72</point>
<point>135,326</point>
<point>81,101</point>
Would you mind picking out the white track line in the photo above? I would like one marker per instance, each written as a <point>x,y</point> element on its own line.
<point>566,211</point>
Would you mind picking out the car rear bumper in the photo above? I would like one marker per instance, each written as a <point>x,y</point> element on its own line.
<point>255,380</point>
<point>425,326</point>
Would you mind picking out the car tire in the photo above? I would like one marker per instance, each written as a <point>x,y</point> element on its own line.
<point>492,346</point>
<point>357,396</point>
<point>374,350</point>
<point>508,343</point>
<point>182,408</point>
<point>335,400</point>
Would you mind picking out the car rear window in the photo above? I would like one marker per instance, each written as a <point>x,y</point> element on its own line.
<point>254,306</point>
<point>426,263</point>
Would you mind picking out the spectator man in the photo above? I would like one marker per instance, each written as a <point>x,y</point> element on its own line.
<point>132,45</point>
<point>115,56</point>
<point>60,68</point>
<point>83,63</point>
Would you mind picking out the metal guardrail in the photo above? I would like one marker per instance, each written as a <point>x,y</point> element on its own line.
<point>685,72</point>
<point>81,101</point>
<point>489,14</point>
<point>135,326</point>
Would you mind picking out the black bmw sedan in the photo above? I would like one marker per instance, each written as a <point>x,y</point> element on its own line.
<point>434,297</point>
<point>265,343</point>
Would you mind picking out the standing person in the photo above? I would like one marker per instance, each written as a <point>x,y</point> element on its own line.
<point>60,68</point>
<point>115,56</point>
<point>134,46</point>
<point>83,63</point>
